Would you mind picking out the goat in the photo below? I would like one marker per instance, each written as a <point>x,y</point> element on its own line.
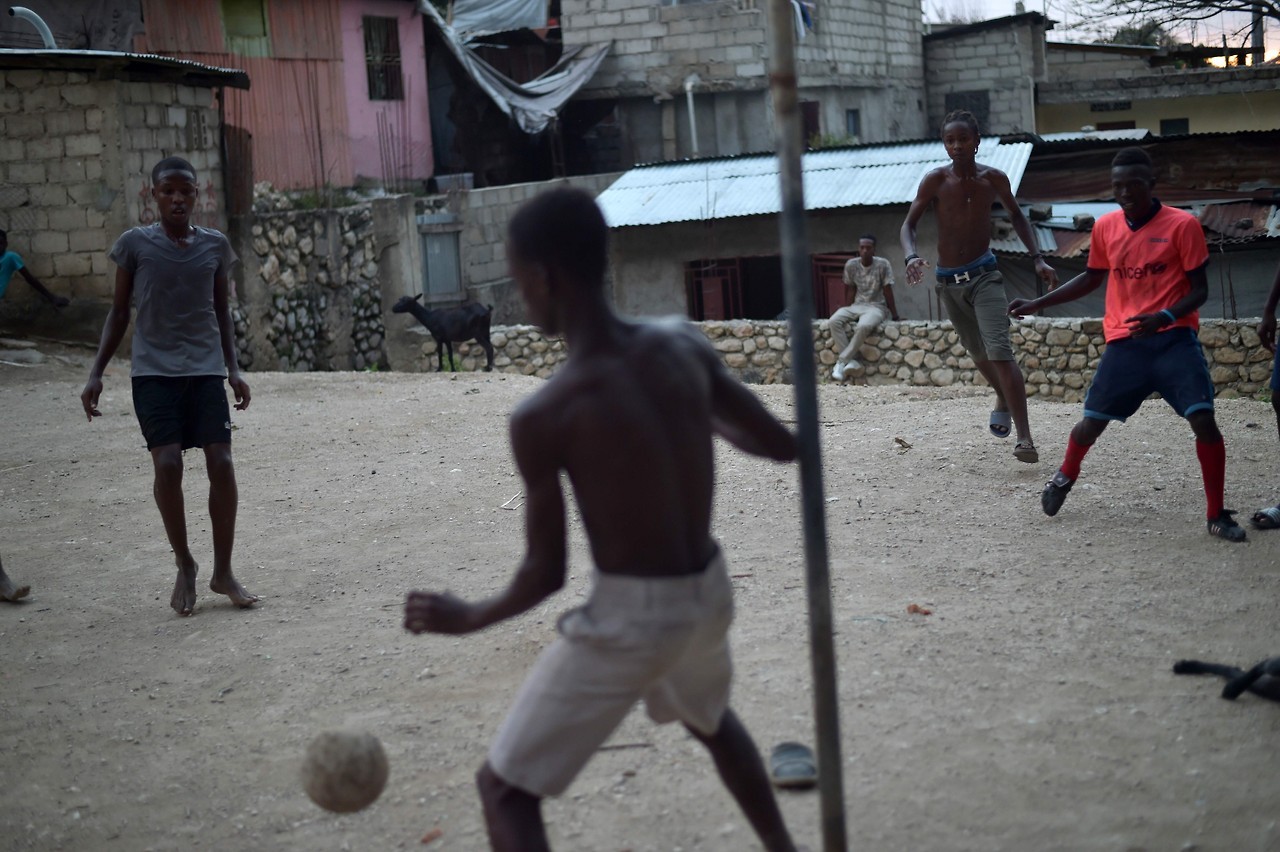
<point>451,325</point>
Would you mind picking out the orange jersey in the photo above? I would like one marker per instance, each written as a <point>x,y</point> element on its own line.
<point>1147,268</point>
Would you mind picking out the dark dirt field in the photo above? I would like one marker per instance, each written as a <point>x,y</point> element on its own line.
<point>1034,709</point>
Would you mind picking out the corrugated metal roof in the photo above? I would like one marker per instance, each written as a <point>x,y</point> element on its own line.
<point>298,116</point>
<point>834,178</point>
<point>111,64</point>
<point>1072,243</point>
<point>175,27</point>
<point>1242,221</point>
<point>1011,244</point>
<point>1131,134</point>
<point>1063,215</point>
<point>1239,222</point>
<point>1209,166</point>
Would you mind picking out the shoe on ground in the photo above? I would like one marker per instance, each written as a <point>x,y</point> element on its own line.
<point>792,766</point>
<point>854,366</point>
<point>1055,493</point>
<point>838,372</point>
<point>1224,526</point>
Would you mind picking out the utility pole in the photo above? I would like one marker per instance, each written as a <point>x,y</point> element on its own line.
<point>799,297</point>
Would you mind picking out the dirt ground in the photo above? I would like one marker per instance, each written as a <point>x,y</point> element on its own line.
<point>1034,709</point>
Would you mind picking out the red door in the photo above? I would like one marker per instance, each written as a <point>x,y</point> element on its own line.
<point>714,289</point>
<point>828,283</point>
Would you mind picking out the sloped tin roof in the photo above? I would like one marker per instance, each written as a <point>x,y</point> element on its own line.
<point>111,64</point>
<point>1012,244</point>
<point>835,178</point>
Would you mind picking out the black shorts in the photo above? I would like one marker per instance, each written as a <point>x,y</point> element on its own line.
<point>1170,363</point>
<point>187,410</point>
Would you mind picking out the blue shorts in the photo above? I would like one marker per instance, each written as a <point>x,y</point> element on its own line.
<point>187,410</point>
<point>1170,363</point>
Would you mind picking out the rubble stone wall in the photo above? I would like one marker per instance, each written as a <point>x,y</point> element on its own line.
<point>318,299</point>
<point>1058,357</point>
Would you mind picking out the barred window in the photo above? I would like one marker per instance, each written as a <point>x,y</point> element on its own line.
<point>976,102</point>
<point>382,59</point>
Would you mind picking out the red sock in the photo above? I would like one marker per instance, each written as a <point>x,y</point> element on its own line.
<point>1075,455</point>
<point>1213,467</point>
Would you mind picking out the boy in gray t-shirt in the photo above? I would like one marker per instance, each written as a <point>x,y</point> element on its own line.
<point>175,273</point>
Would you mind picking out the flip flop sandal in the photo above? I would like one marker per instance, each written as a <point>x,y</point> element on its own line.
<point>792,766</point>
<point>1266,519</point>
<point>1025,451</point>
<point>999,423</point>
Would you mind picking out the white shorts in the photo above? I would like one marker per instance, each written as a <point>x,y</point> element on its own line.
<point>663,640</point>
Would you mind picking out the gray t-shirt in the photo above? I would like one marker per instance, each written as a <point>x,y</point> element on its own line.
<point>176,330</point>
<point>869,281</point>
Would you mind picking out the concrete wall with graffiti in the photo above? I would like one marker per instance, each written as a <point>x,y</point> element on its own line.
<point>76,154</point>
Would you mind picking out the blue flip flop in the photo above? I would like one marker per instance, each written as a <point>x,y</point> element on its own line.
<point>999,423</point>
<point>792,766</point>
<point>1266,519</point>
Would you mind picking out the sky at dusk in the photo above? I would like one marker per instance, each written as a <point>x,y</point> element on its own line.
<point>1084,21</point>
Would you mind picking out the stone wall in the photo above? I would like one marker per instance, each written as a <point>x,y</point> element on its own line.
<point>320,280</point>
<point>1058,357</point>
<point>316,282</point>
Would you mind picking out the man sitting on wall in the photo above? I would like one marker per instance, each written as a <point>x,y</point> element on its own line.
<point>868,282</point>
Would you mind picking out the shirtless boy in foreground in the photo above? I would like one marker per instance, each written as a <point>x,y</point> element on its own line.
<point>630,418</point>
<point>969,282</point>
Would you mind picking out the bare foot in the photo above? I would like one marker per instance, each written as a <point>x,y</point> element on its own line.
<point>10,592</point>
<point>184,589</point>
<point>230,587</point>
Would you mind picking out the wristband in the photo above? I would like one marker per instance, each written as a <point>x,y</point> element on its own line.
<point>911,257</point>
<point>1169,314</point>
<point>1037,256</point>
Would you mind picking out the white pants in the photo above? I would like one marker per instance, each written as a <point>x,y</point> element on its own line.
<point>660,640</point>
<point>850,327</point>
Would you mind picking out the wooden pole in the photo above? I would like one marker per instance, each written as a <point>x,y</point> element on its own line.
<point>799,298</point>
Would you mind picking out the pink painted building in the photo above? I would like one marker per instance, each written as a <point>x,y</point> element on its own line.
<point>385,76</point>
<point>338,91</point>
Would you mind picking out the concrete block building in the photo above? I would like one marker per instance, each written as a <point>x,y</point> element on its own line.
<point>1117,87</point>
<point>691,79</point>
<point>991,68</point>
<point>79,133</point>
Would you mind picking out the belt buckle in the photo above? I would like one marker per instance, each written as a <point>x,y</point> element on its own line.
<point>961,277</point>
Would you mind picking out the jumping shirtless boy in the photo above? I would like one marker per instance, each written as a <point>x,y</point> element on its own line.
<point>630,418</point>
<point>969,282</point>
<point>183,351</point>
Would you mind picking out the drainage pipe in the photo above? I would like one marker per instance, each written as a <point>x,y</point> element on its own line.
<point>689,82</point>
<point>25,14</point>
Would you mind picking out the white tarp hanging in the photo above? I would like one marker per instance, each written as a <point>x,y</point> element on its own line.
<point>474,18</point>
<point>534,104</point>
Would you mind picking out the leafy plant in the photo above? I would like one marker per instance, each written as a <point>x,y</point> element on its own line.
<point>324,199</point>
